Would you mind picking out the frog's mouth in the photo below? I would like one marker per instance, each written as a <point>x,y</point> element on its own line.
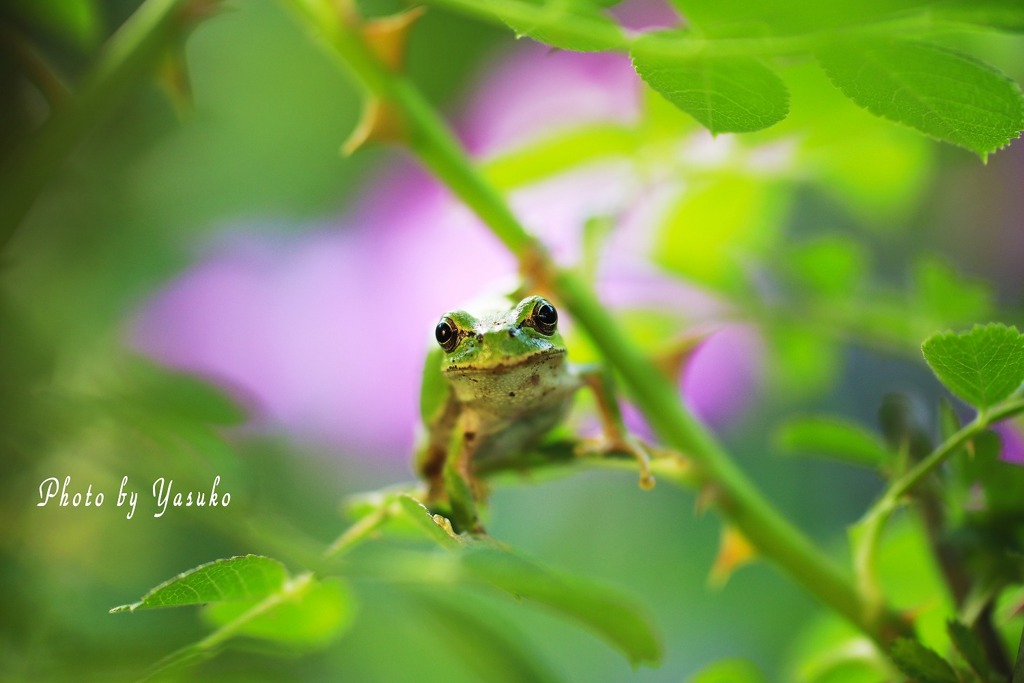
<point>507,366</point>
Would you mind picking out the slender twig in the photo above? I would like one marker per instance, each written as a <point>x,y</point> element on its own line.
<point>890,499</point>
<point>129,54</point>
<point>746,508</point>
<point>199,650</point>
<point>983,421</point>
<point>360,531</point>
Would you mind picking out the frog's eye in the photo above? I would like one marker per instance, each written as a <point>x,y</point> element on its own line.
<point>447,334</point>
<point>545,318</point>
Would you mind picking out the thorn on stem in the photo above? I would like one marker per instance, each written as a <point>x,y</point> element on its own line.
<point>378,123</point>
<point>173,77</point>
<point>708,495</point>
<point>388,37</point>
<point>733,552</point>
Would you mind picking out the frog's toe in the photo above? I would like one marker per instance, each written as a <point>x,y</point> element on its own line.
<point>604,446</point>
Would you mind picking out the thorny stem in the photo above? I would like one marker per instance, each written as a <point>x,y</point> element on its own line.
<point>906,483</point>
<point>128,55</point>
<point>745,507</point>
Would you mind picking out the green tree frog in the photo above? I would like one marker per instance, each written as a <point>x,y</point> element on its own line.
<point>494,388</point>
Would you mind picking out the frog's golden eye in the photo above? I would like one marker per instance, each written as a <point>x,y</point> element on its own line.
<point>545,318</point>
<point>447,334</point>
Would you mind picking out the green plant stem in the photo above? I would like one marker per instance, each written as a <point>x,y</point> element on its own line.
<point>890,499</point>
<point>908,481</point>
<point>868,531</point>
<point>129,54</point>
<point>360,531</point>
<point>433,142</point>
<point>774,537</point>
<point>190,654</point>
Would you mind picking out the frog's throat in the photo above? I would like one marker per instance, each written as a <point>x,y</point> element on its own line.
<point>504,366</point>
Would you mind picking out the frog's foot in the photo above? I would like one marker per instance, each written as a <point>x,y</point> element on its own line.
<point>621,444</point>
<point>455,523</point>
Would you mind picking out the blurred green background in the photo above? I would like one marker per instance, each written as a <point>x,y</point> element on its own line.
<point>135,204</point>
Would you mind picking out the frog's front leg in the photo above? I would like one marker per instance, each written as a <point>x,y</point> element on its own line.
<point>460,487</point>
<point>444,460</point>
<point>435,447</point>
<point>615,438</point>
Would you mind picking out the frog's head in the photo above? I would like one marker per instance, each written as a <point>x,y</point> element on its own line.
<point>500,339</point>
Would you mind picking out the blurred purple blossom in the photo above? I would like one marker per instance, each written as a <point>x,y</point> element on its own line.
<point>645,15</point>
<point>539,92</point>
<point>1012,440</point>
<point>325,332</point>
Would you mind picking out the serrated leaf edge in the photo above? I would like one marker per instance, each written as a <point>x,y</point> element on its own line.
<point>983,154</point>
<point>133,606</point>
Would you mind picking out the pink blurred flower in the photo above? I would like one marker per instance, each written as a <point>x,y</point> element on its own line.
<point>1012,440</point>
<point>326,332</point>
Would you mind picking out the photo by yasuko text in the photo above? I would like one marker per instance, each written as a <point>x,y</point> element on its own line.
<point>62,494</point>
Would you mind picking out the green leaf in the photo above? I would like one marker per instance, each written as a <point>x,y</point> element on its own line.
<point>725,94</point>
<point>491,648</point>
<point>612,616</point>
<point>1007,15</point>
<point>947,296</point>
<point>729,671</point>
<point>833,438</point>
<point>982,366</point>
<point>745,18</point>
<point>921,663</point>
<point>828,266</point>
<point>547,22</point>
<point>969,646</point>
<point>908,573</point>
<point>312,617</point>
<point>944,94</point>
<point>299,613</point>
<point>236,578</point>
<point>829,650</point>
<point>77,20</point>
<point>803,363</point>
<point>420,515</point>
